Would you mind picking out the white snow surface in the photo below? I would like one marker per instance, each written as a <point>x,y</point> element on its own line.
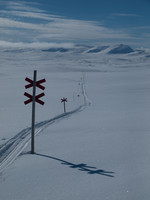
<point>99,148</point>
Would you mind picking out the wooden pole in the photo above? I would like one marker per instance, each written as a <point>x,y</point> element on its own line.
<point>64,107</point>
<point>33,112</point>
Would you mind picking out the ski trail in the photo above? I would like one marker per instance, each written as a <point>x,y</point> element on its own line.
<point>10,150</point>
<point>87,101</point>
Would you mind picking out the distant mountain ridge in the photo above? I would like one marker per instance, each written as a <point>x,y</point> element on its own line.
<point>120,49</point>
<point>88,58</point>
<point>117,49</point>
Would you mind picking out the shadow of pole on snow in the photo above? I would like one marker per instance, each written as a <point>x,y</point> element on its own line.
<point>81,166</point>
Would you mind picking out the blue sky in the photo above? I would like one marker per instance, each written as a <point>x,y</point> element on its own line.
<point>54,22</point>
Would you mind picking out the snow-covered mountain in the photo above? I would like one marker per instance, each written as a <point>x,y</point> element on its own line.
<point>77,58</point>
<point>121,49</point>
<point>90,49</point>
<point>113,49</point>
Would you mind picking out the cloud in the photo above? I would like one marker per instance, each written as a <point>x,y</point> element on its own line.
<point>62,29</point>
<point>125,15</point>
<point>36,45</point>
<point>29,14</point>
<point>22,22</point>
<point>22,5</point>
<point>141,28</point>
<point>10,23</point>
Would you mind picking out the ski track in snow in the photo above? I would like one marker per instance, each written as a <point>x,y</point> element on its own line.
<point>10,150</point>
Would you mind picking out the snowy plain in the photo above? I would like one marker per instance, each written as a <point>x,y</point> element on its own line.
<point>100,148</point>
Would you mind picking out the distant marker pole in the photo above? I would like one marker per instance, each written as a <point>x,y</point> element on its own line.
<point>64,107</point>
<point>64,100</point>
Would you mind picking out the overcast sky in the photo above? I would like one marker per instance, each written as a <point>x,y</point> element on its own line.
<point>46,22</point>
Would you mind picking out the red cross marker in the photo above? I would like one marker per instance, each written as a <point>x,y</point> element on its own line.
<point>64,100</point>
<point>38,83</point>
<point>36,98</point>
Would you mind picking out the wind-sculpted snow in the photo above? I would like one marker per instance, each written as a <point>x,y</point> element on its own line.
<point>10,150</point>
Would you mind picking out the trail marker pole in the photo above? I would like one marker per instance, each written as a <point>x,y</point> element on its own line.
<point>64,100</point>
<point>33,112</point>
<point>64,107</point>
<point>34,98</point>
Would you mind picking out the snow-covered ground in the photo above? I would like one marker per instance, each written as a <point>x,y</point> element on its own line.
<point>98,149</point>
